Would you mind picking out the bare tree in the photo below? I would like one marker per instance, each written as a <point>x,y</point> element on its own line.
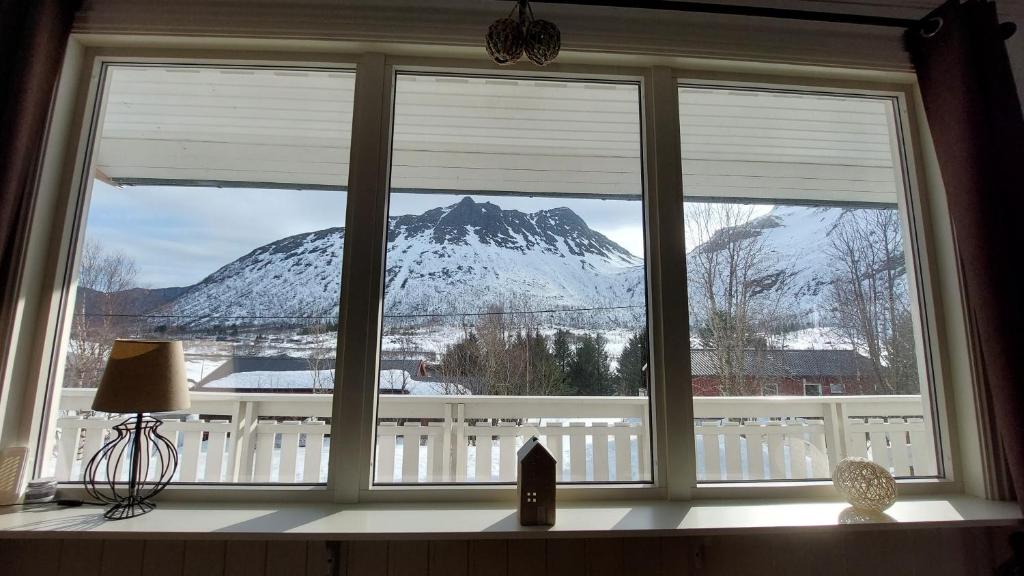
<point>868,299</point>
<point>103,278</point>
<point>736,292</point>
<point>322,335</point>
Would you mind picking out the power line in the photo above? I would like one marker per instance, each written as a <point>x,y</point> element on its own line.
<point>423,315</point>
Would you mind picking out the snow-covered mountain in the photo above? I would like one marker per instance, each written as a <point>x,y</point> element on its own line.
<point>798,259</point>
<point>471,256</point>
<point>462,258</point>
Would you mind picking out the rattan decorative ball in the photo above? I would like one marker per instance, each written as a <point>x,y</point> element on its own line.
<point>543,41</point>
<point>505,41</point>
<point>864,484</point>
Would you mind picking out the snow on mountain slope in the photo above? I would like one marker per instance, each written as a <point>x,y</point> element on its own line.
<point>282,283</point>
<point>799,260</point>
<point>469,256</point>
<point>458,259</point>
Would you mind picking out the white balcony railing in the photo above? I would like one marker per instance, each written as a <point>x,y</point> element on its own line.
<point>229,437</point>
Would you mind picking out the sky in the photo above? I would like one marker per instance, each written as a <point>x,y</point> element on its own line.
<point>179,235</point>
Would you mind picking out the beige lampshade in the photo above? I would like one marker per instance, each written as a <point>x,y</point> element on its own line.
<point>143,376</point>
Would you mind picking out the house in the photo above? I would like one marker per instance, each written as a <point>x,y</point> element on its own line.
<point>284,374</point>
<point>785,372</point>
<point>535,486</point>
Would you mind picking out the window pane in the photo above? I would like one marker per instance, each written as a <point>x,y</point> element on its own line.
<point>216,218</point>
<point>800,286</point>
<point>515,292</point>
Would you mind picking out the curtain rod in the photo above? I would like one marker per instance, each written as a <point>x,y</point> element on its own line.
<point>737,10</point>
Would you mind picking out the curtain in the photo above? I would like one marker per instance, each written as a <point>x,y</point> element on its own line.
<point>33,36</point>
<point>975,118</point>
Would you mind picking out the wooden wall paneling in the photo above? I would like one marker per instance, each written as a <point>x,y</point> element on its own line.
<point>367,558</point>
<point>680,556</point>
<point>408,558</point>
<point>566,557</point>
<point>527,558</point>
<point>163,558</point>
<point>746,554</point>
<point>488,558</point>
<point>319,562</point>
<point>245,558</point>
<point>121,557</point>
<point>286,557</point>
<point>604,557</point>
<point>204,558</point>
<point>80,557</point>
<point>643,556</point>
<point>450,558</point>
<point>30,557</point>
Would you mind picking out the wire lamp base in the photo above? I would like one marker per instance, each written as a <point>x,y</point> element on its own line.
<point>151,460</point>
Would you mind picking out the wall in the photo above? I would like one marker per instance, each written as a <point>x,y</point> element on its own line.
<point>935,552</point>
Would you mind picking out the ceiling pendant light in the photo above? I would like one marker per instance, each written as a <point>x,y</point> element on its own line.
<point>510,37</point>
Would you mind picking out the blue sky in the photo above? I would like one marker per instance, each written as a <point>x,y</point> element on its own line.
<point>179,235</point>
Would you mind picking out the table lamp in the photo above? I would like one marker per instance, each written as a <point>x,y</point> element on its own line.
<point>141,377</point>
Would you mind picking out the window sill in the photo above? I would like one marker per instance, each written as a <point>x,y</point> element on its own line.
<point>418,521</point>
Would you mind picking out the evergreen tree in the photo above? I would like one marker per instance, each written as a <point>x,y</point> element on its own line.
<point>629,375</point>
<point>589,371</point>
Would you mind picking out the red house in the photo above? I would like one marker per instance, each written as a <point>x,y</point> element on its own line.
<point>785,373</point>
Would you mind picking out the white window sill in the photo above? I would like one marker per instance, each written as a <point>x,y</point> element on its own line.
<point>411,521</point>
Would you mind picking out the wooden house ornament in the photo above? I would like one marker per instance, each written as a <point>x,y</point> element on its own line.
<point>536,485</point>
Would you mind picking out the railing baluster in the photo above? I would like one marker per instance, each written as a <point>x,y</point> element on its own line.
<point>797,452</point>
<point>623,448</point>
<point>921,448</point>
<point>554,445</point>
<point>215,443</point>
<point>67,448</point>
<point>188,459</point>
<point>265,438</point>
<point>776,455</point>
<point>313,455</point>
<point>507,452</point>
<point>755,450</point>
<point>733,464</point>
<point>900,449</point>
<point>577,451</point>
<point>483,452</point>
<point>410,452</point>
<point>879,445</point>
<point>600,448</point>
<point>386,452</point>
<point>287,463</point>
<point>712,456</point>
<point>461,445</point>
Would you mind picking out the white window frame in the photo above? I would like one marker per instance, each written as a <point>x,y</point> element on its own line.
<point>66,161</point>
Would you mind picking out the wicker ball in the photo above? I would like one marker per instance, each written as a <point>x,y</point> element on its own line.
<point>543,41</point>
<point>864,484</point>
<point>505,41</point>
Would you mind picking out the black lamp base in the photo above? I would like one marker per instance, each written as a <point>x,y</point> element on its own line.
<point>129,508</point>
<point>151,459</point>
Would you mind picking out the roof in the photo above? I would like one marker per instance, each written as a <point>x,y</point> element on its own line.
<point>787,363</point>
<point>530,448</point>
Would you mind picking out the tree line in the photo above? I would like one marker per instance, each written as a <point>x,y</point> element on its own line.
<point>496,357</point>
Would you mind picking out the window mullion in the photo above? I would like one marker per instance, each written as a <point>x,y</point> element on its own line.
<point>670,320</point>
<point>359,312</point>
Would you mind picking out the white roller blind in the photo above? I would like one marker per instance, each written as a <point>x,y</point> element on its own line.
<point>784,146</point>
<point>516,136</point>
<point>288,128</point>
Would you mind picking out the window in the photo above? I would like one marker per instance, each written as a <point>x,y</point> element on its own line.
<point>518,259</point>
<point>216,217</point>
<point>801,283</point>
<point>514,283</point>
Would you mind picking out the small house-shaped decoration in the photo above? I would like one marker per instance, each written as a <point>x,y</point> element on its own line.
<point>536,486</point>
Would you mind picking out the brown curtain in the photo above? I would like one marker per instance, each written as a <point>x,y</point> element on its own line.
<point>33,36</point>
<point>975,118</point>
